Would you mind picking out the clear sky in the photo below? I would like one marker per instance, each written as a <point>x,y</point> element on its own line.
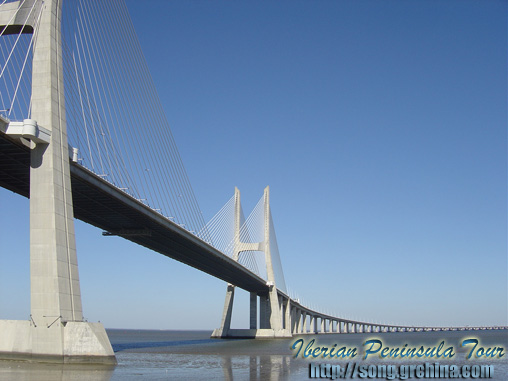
<point>381,128</point>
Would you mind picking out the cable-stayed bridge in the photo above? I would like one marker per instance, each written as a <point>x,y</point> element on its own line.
<point>84,135</point>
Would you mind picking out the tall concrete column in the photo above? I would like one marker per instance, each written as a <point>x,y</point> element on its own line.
<point>55,290</point>
<point>56,330</point>
<point>263,312</point>
<point>294,320</point>
<point>288,326</point>
<point>271,317</point>
<point>253,310</point>
<point>275,312</point>
<point>227,312</point>
<point>298,324</point>
<point>282,311</point>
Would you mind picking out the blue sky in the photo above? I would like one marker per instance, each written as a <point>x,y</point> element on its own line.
<point>380,127</point>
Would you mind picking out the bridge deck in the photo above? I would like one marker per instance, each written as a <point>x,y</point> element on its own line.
<point>101,204</point>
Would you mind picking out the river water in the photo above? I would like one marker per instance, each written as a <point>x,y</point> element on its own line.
<point>192,355</point>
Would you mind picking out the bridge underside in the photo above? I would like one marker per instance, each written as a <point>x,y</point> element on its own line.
<point>101,204</point>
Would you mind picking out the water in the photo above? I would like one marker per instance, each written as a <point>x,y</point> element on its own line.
<point>192,355</point>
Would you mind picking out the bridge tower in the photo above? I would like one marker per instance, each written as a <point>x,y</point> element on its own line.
<point>56,331</point>
<point>272,321</point>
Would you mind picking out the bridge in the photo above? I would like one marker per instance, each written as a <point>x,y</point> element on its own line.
<point>81,153</point>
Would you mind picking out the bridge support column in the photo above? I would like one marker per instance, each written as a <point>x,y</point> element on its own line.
<point>288,321</point>
<point>271,317</point>
<point>275,310</point>
<point>56,331</point>
<point>227,313</point>
<point>253,323</point>
<point>263,312</point>
<point>294,320</point>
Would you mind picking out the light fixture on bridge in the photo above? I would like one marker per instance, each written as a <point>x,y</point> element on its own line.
<point>75,154</point>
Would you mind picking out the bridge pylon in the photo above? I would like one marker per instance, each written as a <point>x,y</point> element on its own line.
<point>271,318</point>
<point>56,331</point>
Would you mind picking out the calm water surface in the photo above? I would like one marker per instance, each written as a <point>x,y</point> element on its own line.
<point>192,355</point>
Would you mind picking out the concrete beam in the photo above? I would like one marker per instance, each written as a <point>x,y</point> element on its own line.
<point>19,16</point>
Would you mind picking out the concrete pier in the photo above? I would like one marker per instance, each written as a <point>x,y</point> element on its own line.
<point>56,331</point>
